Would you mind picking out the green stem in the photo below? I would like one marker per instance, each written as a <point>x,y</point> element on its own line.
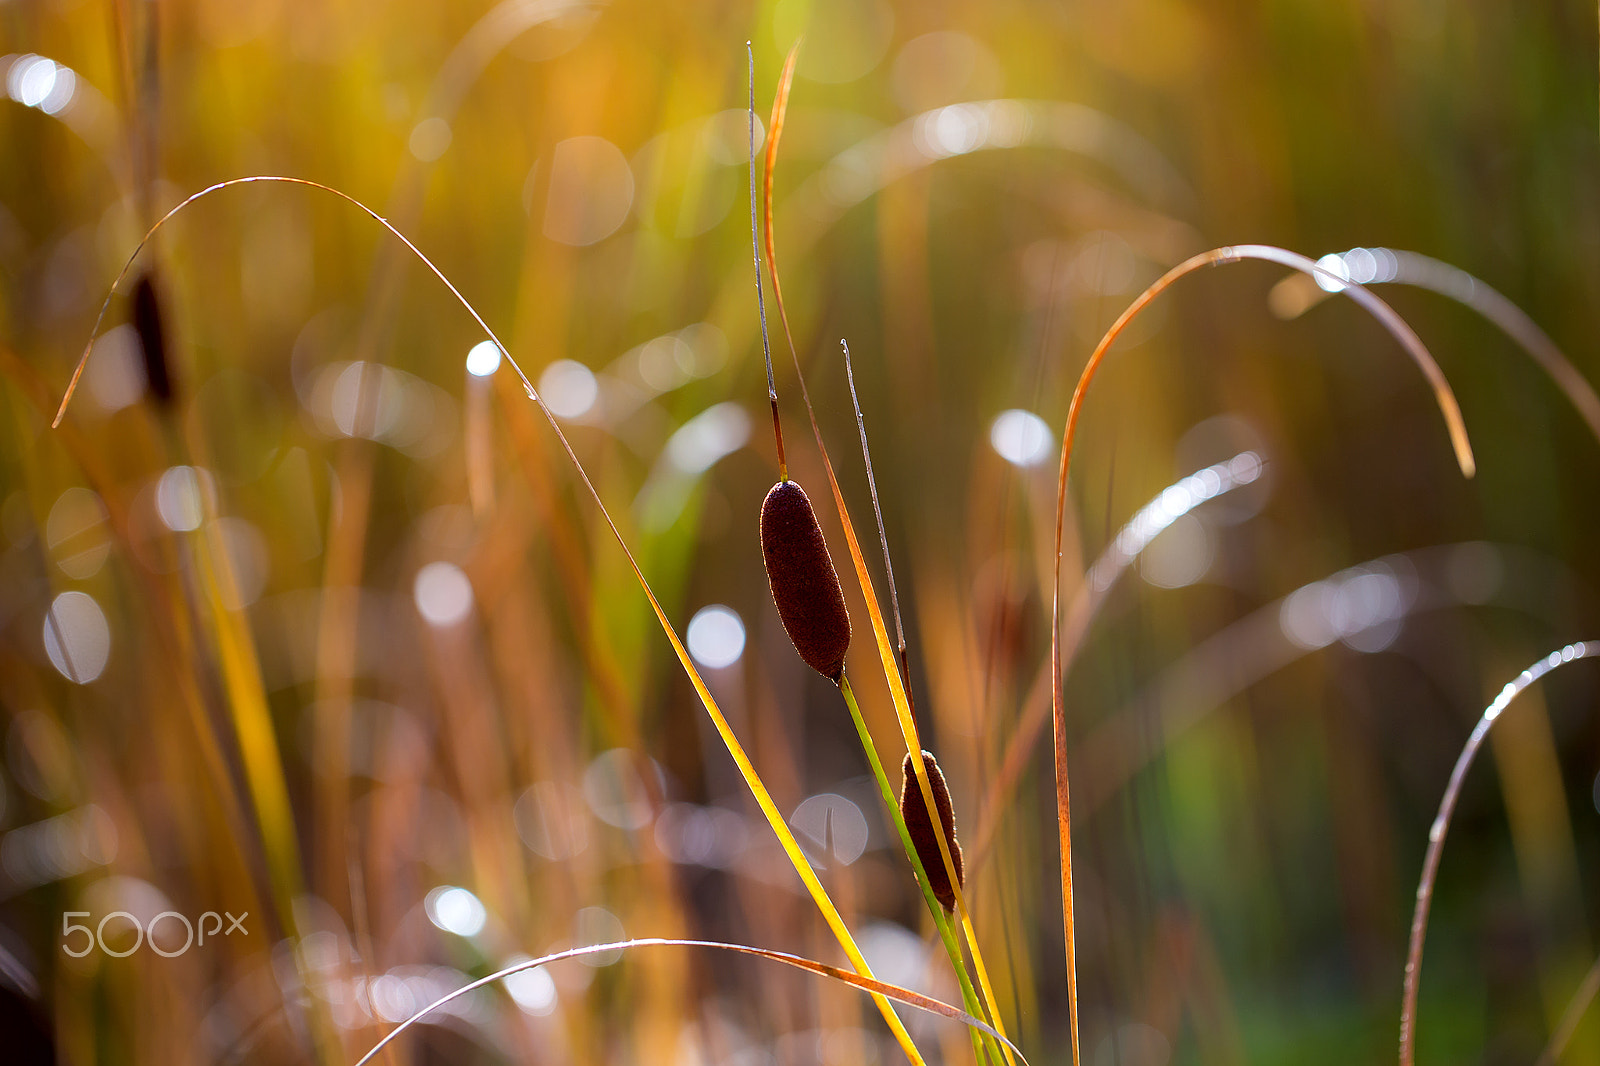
<point>981,1045</point>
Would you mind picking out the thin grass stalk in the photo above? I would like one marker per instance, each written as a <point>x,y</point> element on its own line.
<point>1576,1009</point>
<point>883,536</point>
<point>338,620</point>
<point>1441,826</point>
<point>752,779</point>
<point>952,947</point>
<point>924,785</point>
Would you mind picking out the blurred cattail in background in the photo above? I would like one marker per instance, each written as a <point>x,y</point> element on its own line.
<point>151,330</point>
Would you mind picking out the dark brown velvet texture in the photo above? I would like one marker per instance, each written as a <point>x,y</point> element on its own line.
<point>805,585</point>
<point>920,826</point>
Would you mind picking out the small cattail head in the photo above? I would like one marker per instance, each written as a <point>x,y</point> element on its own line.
<point>150,328</point>
<point>920,826</point>
<point>805,586</point>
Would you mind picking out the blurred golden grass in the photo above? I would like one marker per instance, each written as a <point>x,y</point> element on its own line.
<point>281,728</point>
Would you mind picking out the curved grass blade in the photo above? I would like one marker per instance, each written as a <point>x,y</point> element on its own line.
<point>1297,294</point>
<point>1441,826</point>
<point>875,162</point>
<point>799,962</point>
<point>752,779</point>
<point>1386,316</point>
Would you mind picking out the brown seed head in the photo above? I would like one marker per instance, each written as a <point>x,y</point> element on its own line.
<point>147,323</point>
<point>920,826</point>
<point>805,585</point>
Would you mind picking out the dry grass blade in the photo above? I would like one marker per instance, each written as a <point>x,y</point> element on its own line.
<point>747,770</point>
<point>780,108</point>
<point>755,252</point>
<point>1386,316</point>
<point>866,984</point>
<point>1297,294</point>
<point>1441,826</point>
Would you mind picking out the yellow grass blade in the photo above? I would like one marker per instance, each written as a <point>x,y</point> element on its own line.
<point>774,818</point>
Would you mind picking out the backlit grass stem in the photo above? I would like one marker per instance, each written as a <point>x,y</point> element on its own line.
<point>940,919</point>
<point>1441,826</point>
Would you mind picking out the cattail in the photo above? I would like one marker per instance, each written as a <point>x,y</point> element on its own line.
<point>920,826</point>
<point>805,585</point>
<point>147,323</point>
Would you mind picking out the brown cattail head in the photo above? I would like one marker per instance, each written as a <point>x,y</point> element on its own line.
<point>147,323</point>
<point>920,826</point>
<point>805,586</point>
